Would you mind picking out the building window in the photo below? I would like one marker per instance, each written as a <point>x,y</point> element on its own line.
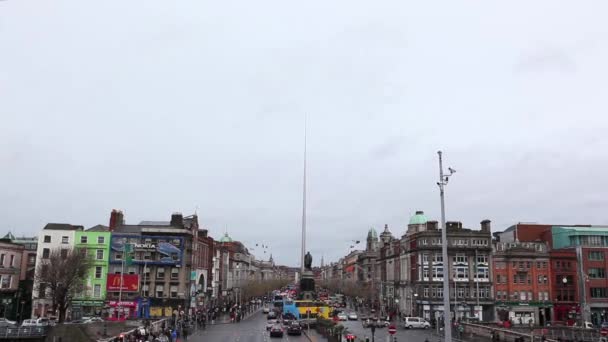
<point>99,255</point>
<point>83,239</point>
<point>97,291</point>
<point>460,292</point>
<point>438,272</point>
<point>64,253</point>
<point>160,273</point>
<point>118,256</point>
<point>6,281</point>
<point>2,260</point>
<point>438,258</point>
<point>174,273</point>
<point>131,270</point>
<point>483,273</point>
<point>596,255</point>
<point>422,242</point>
<point>147,255</point>
<point>31,259</point>
<point>425,292</point>
<point>425,258</point>
<point>482,259</point>
<point>65,240</point>
<point>98,270</point>
<point>425,272</point>
<point>42,290</point>
<point>599,292</point>
<point>145,289</point>
<point>46,253</point>
<point>101,240</point>
<point>173,291</point>
<point>47,239</point>
<point>460,258</point>
<point>461,272</point>
<point>160,289</point>
<point>597,273</point>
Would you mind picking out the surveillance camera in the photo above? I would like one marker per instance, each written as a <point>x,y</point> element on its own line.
<point>451,170</point>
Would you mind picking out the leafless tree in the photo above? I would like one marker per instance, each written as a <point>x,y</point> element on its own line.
<point>61,276</point>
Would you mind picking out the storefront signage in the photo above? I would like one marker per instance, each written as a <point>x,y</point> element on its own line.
<point>115,303</point>
<point>125,282</point>
<point>145,246</point>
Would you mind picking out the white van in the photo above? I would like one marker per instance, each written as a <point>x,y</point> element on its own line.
<point>415,322</point>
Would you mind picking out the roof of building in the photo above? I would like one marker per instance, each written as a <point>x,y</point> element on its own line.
<point>372,234</point>
<point>62,226</point>
<point>99,228</point>
<point>154,223</point>
<point>9,236</point>
<point>226,238</point>
<point>593,230</point>
<point>418,218</point>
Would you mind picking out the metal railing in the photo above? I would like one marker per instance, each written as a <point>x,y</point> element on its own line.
<point>22,332</point>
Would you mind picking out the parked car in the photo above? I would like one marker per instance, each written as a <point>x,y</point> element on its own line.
<point>276,331</point>
<point>353,316</point>
<point>6,321</point>
<point>266,310</point>
<point>342,316</point>
<point>40,322</point>
<point>272,315</point>
<point>415,322</point>
<point>93,320</point>
<point>294,329</point>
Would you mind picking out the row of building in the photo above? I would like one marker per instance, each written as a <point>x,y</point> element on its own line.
<point>171,264</point>
<point>529,273</point>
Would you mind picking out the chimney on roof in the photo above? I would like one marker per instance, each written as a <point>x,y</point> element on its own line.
<point>116,219</point>
<point>432,225</point>
<point>486,225</point>
<point>177,220</point>
<point>455,225</point>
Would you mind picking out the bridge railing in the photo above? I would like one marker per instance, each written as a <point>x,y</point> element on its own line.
<point>25,332</point>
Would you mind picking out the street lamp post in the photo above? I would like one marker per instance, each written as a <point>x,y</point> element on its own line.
<point>443,181</point>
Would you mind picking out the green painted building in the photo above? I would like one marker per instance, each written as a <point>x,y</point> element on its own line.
<point>593,236</point>
<point>91,300</point>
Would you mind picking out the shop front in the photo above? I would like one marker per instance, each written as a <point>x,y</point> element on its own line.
<point>119,311</point>
<point>566,313</point>
<point>599,313</point>
<point>83,308</point>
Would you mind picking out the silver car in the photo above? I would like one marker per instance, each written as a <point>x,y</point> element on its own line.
<point>416,322</point>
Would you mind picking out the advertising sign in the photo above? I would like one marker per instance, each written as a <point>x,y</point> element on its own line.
<point>128,282</point>
<point>151,250</point>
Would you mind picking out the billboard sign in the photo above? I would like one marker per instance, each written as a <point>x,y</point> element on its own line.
<point>126,282</point>
<point>151,250</point>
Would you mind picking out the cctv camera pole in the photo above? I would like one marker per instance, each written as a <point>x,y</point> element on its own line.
<point>447,328</point>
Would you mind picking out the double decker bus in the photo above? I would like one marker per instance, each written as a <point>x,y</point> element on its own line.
<point>309,309</point>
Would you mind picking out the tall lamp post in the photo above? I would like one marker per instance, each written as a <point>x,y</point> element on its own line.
<point>443,181</point>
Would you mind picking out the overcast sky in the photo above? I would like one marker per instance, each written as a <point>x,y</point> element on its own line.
<point>160,106</point>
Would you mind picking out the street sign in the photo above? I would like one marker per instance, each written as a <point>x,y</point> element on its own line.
<point>392,330</point>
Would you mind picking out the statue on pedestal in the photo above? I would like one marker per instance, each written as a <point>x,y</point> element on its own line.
<point>308,261</point>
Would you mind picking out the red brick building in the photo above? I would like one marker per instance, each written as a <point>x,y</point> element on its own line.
<point>522,282</point>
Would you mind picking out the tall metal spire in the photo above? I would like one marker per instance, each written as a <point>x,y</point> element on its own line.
<point>304,204</point>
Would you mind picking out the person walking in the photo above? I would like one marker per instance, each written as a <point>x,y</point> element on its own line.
<point>185,333</point>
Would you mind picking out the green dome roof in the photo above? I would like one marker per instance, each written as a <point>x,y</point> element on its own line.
<point>372,234</point>
<point>418,218</point>
<point>226,238</point>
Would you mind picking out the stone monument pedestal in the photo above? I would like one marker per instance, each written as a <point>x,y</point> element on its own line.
<point>307,286</point>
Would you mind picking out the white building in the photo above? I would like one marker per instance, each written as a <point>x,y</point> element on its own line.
<point>52,237</point>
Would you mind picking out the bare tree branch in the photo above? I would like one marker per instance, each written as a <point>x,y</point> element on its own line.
<point>62,274</point>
